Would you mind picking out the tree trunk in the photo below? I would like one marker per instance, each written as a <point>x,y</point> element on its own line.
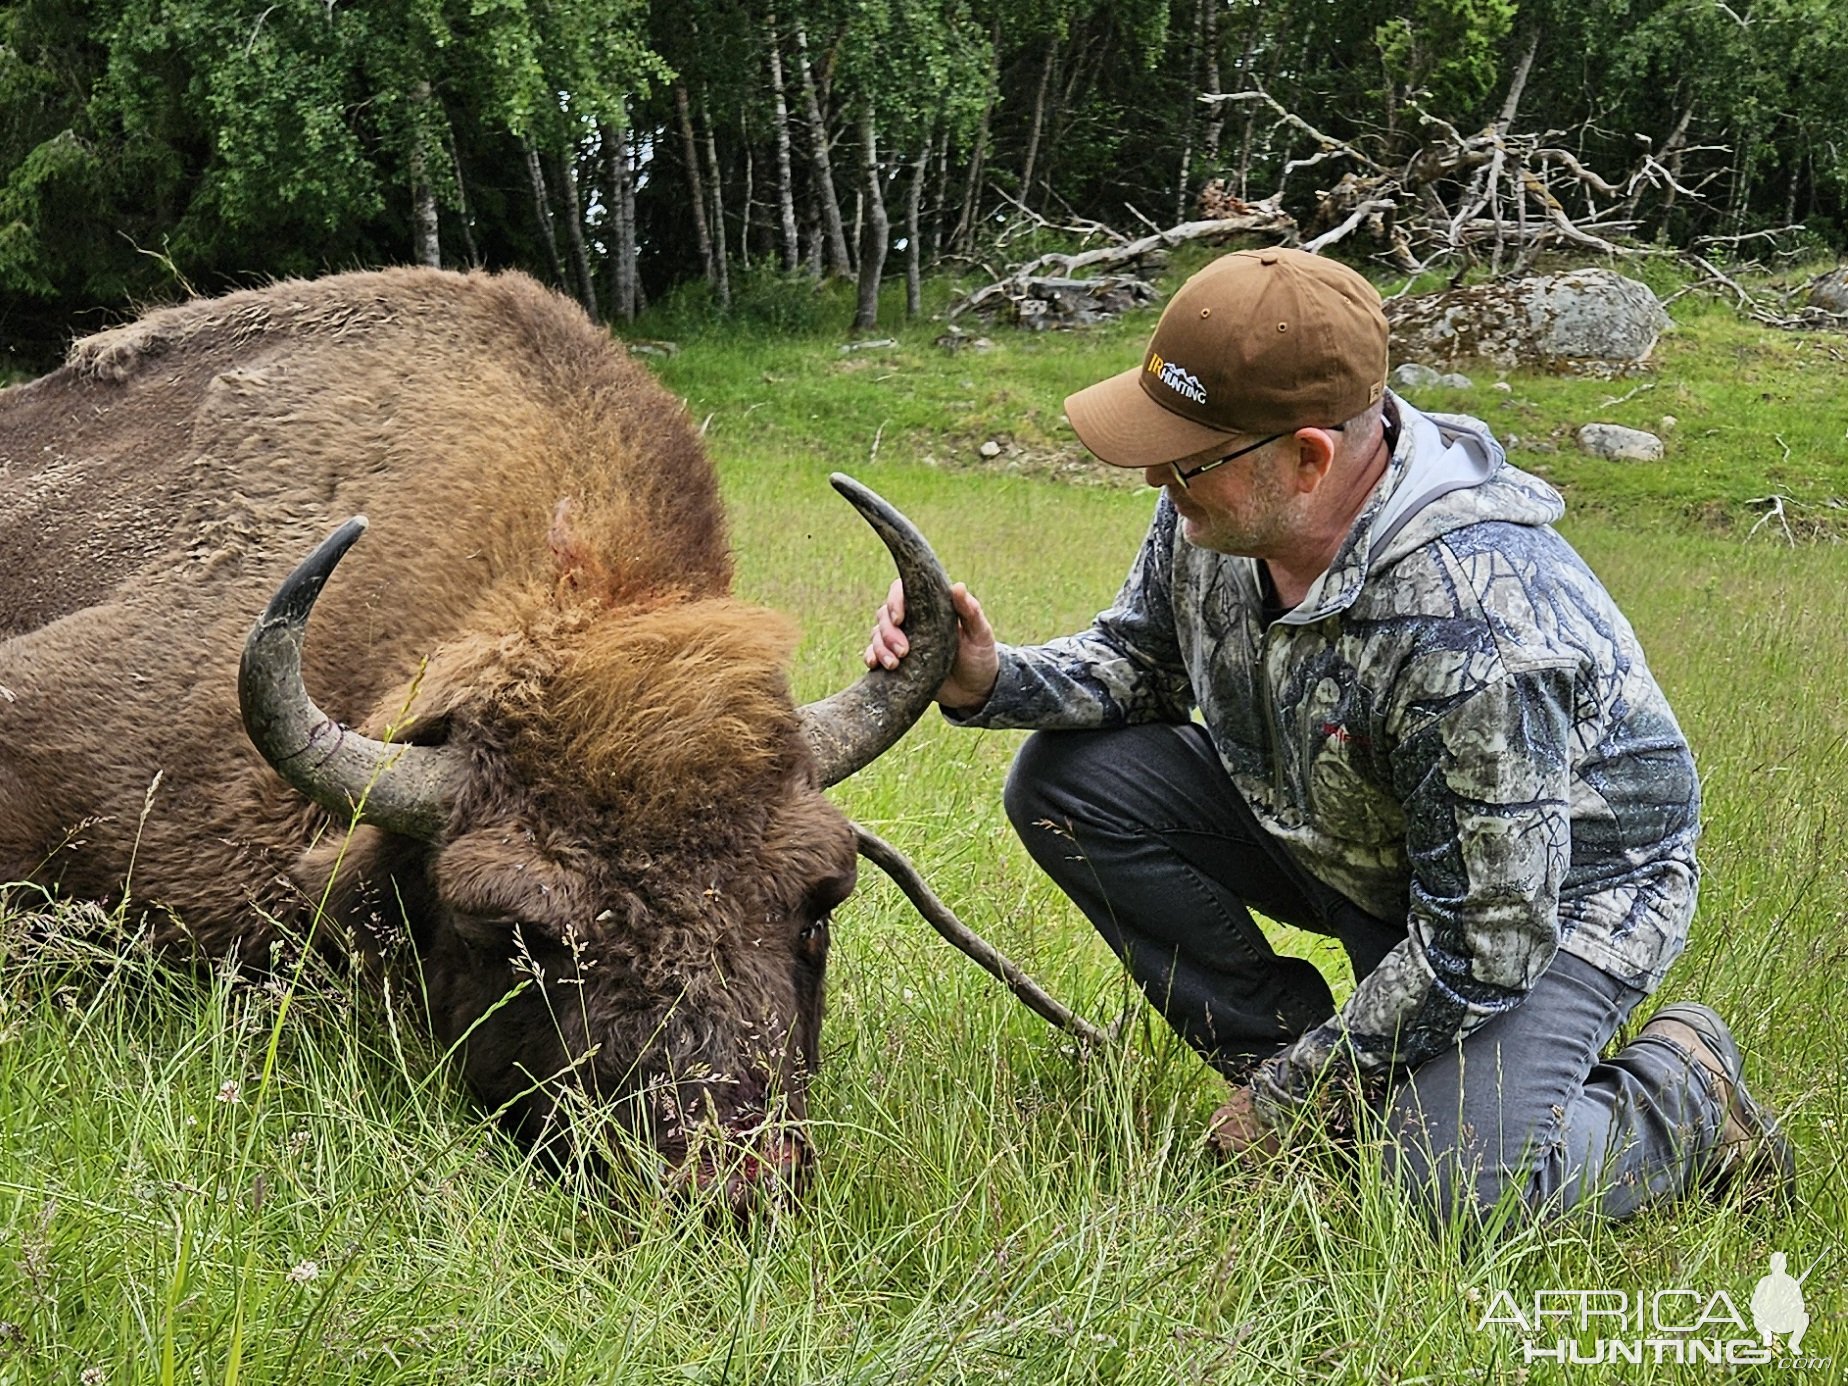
<point>1039,119</point>
<point>1248,135</point>
<point>914,248</point>
<point>463,209</point>
<point>719,256</point>
<point>964,235</point>
<point>785,180</point>
<point>1216,120</point>
<point>426,248</point>
<point>621,194</point>
<point>696,191</point>
<point>1505,121</point>
<point>574,231</point>
<point>876,231</point>
<point>823,182</point>
<point>744,217</point>
<point>940,201</point>
<point>1190,118</point>
<point>542,205</point>
<point>812,234</point>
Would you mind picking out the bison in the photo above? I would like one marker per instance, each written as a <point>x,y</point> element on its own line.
<point>559,775</point>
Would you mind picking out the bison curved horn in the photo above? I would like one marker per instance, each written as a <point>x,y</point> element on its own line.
<point>849,730</point>
<point>404,789</point>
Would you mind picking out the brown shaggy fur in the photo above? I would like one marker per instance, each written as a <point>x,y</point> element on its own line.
<point>544,586</point>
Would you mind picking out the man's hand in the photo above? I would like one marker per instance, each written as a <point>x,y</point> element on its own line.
<point>1238,1130</point>
<point>972,676</point>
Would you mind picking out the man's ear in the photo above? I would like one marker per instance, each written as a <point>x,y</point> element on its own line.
<point>1315,454</point>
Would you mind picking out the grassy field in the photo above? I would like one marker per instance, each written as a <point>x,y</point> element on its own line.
<point>199,1185</point>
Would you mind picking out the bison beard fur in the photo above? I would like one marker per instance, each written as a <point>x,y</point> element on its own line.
<point>615,878</point>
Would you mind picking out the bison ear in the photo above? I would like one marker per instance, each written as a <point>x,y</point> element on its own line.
<point>580,571</point>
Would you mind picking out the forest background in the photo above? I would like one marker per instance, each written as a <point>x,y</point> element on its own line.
<point>628,152</point>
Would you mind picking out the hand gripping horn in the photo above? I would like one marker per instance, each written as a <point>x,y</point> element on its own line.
<point>852,728</point>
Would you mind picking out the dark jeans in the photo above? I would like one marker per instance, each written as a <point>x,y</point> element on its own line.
<point>1143,829</point>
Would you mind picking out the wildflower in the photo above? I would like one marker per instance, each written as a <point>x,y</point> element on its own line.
<point>302,1272</point>
<point>93,1376</point>
<point>227,1091</point>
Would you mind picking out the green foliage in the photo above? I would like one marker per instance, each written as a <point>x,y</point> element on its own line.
<point>152,147</point>
<point>1448,49</point>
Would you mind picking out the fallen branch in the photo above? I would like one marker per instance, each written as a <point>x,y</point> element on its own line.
<point>941,918</point>
<point>1776,512</point>
<point>1371,207</point>
<point>1745,300</point>
<point>1264,218</point>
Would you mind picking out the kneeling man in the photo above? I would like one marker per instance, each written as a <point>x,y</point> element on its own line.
<point>1357,682</point>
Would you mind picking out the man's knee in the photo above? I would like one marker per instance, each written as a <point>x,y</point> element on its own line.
<point>1447,1176</point>
<point>1047,781</point>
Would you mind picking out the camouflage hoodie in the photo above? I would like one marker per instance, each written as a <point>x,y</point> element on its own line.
<point>1455,728</point>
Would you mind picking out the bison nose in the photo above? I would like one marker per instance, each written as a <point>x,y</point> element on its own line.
<point>763,1172</point>
<point>782,1160</point>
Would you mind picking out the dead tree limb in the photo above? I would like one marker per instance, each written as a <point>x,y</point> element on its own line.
<point>1455,192</point>
<point>1257,218</point>
<point>1372,207</point>
<point>941,918</point>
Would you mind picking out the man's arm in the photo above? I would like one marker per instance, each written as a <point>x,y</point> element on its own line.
<point>1126,668</point>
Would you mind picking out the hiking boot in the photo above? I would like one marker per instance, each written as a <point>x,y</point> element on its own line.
<point>1753,1151</point>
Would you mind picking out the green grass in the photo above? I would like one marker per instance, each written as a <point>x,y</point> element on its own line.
<point>988,1209</point>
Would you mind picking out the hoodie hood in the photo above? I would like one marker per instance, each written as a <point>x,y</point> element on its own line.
<point>1446,472</point>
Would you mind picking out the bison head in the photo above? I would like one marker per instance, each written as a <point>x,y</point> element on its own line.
<point>603,828</point>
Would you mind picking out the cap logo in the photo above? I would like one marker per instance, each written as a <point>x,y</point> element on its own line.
<point>1182,382</point>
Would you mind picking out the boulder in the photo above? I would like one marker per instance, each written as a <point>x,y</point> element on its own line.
<point>1829,292</point>
<point>1620,444</point>
<point>1582,318</point>
<point>1410,375</point>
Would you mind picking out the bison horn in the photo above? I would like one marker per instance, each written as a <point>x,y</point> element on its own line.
<point>403,789</point>
<point>851,729</point>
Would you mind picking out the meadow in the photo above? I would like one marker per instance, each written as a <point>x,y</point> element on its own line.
<point>210,1180</point>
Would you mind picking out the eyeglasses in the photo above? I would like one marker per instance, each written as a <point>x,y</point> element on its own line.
<point>1181,478</point>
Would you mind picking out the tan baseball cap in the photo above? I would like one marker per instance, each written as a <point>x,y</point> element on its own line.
<point>1260,341</point>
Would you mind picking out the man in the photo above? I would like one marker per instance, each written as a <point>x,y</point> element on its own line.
<point>1422,728</point>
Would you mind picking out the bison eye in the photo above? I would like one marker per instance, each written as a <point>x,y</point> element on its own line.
<point>815,932</point>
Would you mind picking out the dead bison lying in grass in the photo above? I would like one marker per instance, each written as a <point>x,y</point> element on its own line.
<point>590,815</point>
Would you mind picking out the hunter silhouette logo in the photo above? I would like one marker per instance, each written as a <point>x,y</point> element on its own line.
<point>1777,1305</point>
<point>1182,382</point>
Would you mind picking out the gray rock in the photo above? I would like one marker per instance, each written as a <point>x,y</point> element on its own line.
<point>1620,444</point>
<point>990,449</point>
<point>870,344</point>
<point>1589,316</point>
<point>1410,375</point>
<point>1456,380</point>
<point>1829,292</point>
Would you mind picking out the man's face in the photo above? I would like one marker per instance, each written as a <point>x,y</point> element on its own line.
<point>1243,507</point>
